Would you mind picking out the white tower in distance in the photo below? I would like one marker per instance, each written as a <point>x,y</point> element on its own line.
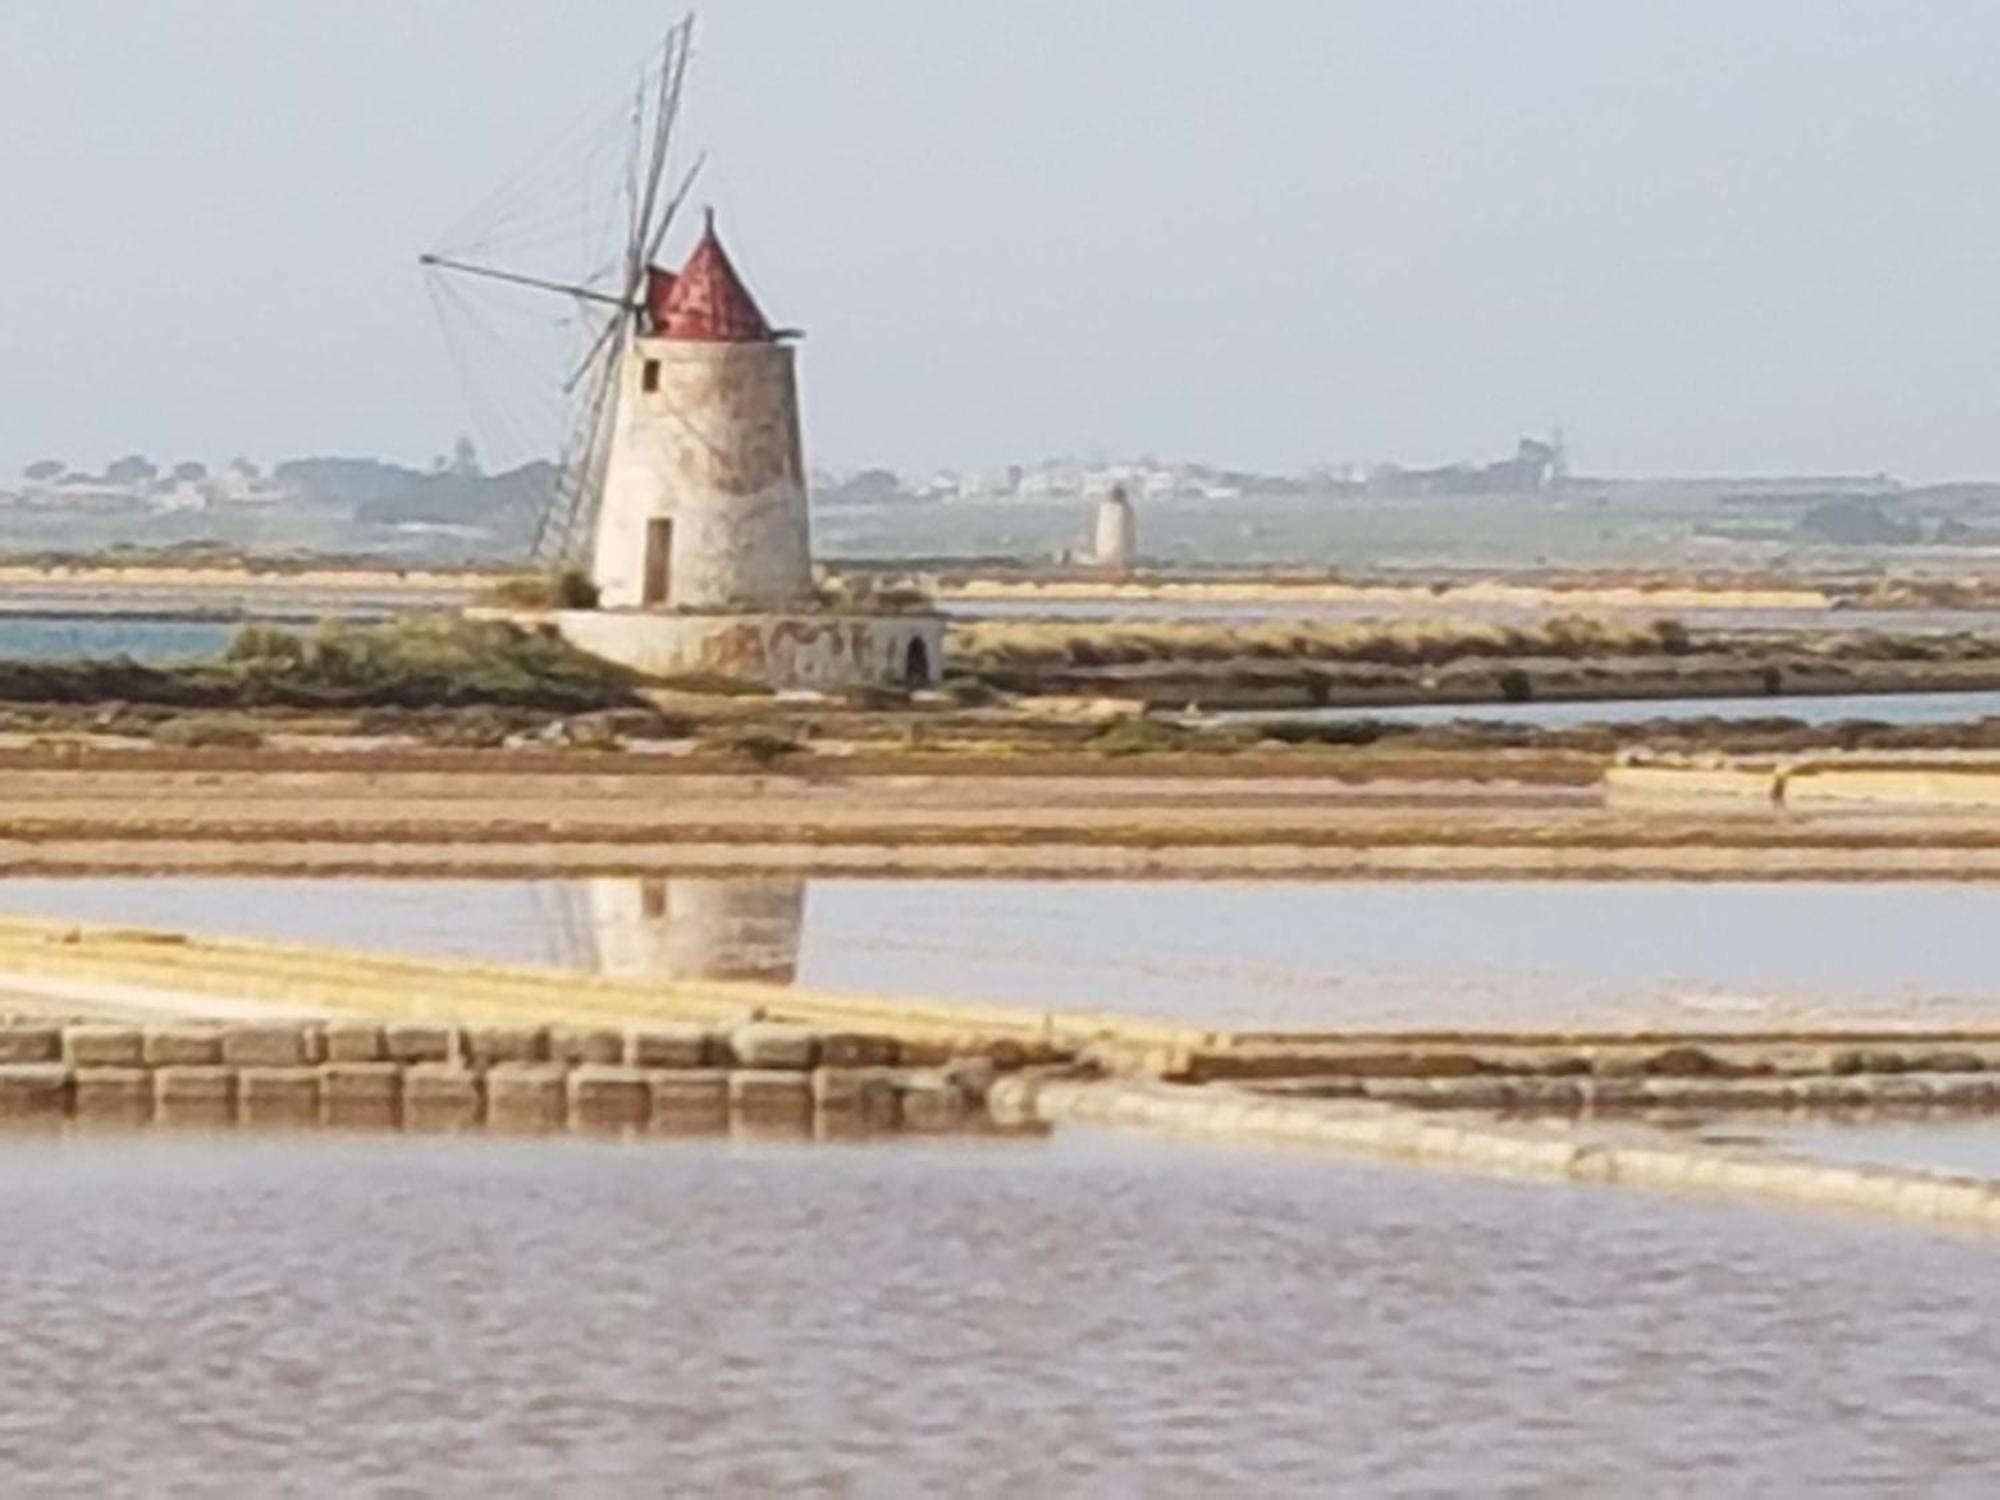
<point>1116,540</point>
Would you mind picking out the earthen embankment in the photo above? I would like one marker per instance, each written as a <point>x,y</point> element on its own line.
<point>1963,783</point>
<point>611,816</point>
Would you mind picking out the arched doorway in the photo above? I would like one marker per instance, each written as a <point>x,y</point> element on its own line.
<point>917,663</point>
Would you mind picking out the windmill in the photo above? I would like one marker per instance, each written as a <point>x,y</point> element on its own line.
<point>607,300</point>
<point>682,491</point>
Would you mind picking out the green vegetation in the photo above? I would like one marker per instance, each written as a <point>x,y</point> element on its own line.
<point>414,661</point>
<point>711,685</point>
<point>1135,735</point>
<point>1268,664</point>
<point>1868,645</point>
<point>988,644</point>
<point>206,732</point>
<point>1774,734</point>
<point>871,594</point>
<point>761,747</point>
<point>566,588</point>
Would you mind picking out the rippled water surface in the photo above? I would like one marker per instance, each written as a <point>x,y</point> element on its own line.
<point>1244,953</point>
<point>1084,1316</point>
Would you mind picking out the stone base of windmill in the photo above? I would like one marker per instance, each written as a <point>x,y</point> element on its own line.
<point>810,649</point>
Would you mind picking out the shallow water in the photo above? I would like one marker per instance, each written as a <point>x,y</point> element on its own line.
<point>1279,953</point>
<point>1091,1315</point>
<point>1970,1146</point>
<point>102,637</point>
<point>1830,708</point>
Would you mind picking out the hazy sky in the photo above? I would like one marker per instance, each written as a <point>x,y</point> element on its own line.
<point>1701,234</point>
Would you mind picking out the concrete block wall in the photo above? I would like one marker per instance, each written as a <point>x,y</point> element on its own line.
<point>1870,1094</point>
<point>762,1078</point>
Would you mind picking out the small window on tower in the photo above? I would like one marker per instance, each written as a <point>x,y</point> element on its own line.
<point>649,378</point>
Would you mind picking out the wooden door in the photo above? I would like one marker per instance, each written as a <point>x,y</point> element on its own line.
<point>659,558</point>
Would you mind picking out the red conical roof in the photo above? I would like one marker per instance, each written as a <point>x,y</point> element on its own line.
<point>708,300</point>
<point>659,288</point>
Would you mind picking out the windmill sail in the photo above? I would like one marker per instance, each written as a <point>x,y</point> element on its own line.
<point>607,300</point>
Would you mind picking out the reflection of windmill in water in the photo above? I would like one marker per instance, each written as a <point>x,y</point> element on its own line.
<point>568,208</point>
<point>678,927</point>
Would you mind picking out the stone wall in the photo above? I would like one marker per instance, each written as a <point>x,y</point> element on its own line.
<point>1603,1060</point>
<point>760,1078</point>
<point>808,650</point>
<point>1564,1152</point>
<point>1838,1095</point>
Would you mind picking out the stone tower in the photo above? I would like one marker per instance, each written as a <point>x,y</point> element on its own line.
<point>704,504</point>
<point>702,553</point>
<point>1116,542</point>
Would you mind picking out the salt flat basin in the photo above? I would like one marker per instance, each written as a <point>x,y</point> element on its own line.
<point>1296,954</point>
<point>1807,708</point>
<point>1084,1315</point>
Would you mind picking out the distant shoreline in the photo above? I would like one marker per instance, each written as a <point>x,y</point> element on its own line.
<point>112,576</point>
